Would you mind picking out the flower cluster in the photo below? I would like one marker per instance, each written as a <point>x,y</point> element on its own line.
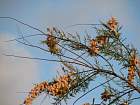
<point>94,49</point>
<point>106,95</point>
<point>131,70</point>
<point>112,24</point>
<point>60,86</point>
<point>39,88</point>
<point>56,88</point>
<point>96,44</point>
<point>51,42</point>
<point>100,40</point>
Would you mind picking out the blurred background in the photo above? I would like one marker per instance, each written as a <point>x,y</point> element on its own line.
<point>17,76</point>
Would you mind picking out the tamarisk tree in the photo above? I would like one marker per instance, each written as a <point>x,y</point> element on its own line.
<point>102,55</point>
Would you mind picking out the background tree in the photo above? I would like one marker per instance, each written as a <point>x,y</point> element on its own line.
<point>102,55</point>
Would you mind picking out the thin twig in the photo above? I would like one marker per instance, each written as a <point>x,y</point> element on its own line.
<point>92,90</point>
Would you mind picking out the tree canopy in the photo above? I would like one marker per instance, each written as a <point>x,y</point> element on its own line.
<point>102,55</point>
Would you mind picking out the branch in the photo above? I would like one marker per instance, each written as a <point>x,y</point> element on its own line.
<point>11,18</point>
<point>120,96</point>
<point>93,89</point>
